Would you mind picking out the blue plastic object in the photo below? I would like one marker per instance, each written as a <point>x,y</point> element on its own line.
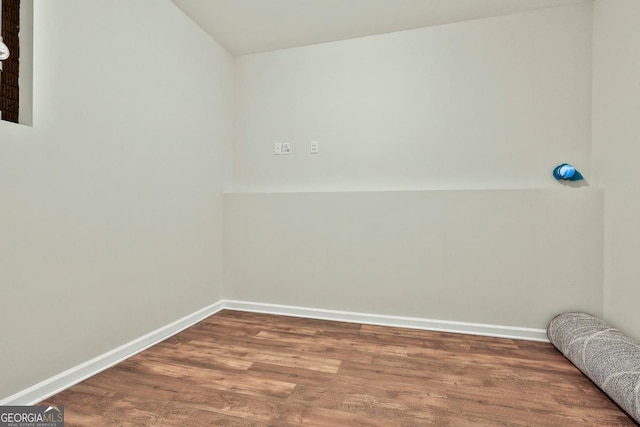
<point>567,172</point>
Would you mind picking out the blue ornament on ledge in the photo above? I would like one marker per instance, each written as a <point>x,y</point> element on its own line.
<point>567,172</point>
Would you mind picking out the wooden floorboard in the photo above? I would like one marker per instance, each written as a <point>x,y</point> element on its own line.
<point>247,369</point>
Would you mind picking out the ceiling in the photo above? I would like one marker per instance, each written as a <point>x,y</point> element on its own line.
<point>251,26</point>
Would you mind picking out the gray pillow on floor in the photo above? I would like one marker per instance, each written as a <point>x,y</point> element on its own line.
<point>604,354</point>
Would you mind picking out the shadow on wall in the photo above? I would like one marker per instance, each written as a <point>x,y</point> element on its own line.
<point>575,184</point>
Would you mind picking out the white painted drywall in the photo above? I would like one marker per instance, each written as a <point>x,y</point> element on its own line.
<point>503,257</point>
<point>111,204</point>
<point>252,26</point>
<point>616,150</point>
<point>491,103</point>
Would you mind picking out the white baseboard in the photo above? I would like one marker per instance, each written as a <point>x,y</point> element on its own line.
<point>514,332</point>
<point>49,387</point>
<point>70,377</point>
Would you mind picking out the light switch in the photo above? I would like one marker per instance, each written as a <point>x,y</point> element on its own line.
<point>286,148</point>
<point>278,149</point>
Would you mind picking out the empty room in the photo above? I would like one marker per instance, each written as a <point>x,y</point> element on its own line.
<point>319,212</point>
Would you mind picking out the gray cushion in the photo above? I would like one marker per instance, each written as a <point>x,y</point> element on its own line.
<point>604,354</point>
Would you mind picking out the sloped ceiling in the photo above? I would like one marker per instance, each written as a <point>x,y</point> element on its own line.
<point>250,26</point>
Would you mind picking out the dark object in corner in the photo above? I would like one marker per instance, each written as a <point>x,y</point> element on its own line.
<point>9,90</point>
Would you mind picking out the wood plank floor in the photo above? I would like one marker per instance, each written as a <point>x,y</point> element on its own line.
<point>248,369</point>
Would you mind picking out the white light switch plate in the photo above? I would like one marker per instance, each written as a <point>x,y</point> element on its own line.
<point>278,149</point>
<point>286,148</point>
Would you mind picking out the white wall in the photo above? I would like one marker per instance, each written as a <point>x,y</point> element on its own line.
<point>111,205</point>
<point>616,139</point>
<point>504,257</point>
<point>492,103</point>
<point>487,104</point>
